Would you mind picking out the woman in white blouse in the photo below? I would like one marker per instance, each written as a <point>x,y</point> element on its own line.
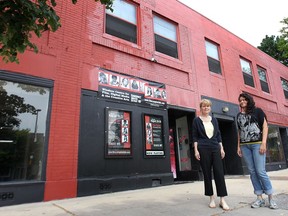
<point>209,151</point>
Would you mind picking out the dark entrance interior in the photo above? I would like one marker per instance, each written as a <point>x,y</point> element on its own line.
<point>187,167</point>
<point>284,138</point>
<point>232,162</point>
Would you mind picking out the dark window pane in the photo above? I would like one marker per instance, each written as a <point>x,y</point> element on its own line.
<point>121,29</point>
<point>286,94</point>
<point>214,65</point>
<point>248,80</point>
<point>23,117</point>
<point>284,84</point>
<point>264,86</point>
<point>166,46</point>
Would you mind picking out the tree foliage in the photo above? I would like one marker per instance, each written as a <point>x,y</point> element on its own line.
<point>21,18</point>
<point>8,117</point>
<point>284,29</point>
<point>283,44</point>
<point>277,46</point>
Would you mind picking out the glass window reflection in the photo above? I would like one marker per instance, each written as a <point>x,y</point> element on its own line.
<point>275,148</point>
<point>23,115</point>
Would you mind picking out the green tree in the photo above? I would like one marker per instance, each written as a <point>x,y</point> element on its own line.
<point>277,46</point>
<point>283,44</point>
<point>21,18</point>
<point>284,29</point>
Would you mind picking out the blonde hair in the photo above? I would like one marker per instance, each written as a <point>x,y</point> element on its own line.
<point>205,102</point>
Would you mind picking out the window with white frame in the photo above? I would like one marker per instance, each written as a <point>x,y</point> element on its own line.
<point>285,87</point>
<point>247,72</point>
<point>165,34</point>
<point>263,79</point>
<point>212,51</point>
<point>122,22</point>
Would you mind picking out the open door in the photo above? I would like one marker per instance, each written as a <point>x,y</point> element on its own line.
<point>182,145</point>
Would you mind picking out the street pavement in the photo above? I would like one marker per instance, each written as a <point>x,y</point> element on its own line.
<point>182,199</point>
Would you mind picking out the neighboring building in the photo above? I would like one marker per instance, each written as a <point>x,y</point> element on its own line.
<point>108,102</point>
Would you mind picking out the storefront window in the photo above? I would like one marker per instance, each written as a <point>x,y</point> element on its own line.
<point>118,135</point>
<point>23,115</point>
<point>275,150</point>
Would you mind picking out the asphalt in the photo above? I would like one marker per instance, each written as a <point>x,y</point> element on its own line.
<point>185,199</point>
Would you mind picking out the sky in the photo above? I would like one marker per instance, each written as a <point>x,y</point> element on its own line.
<point>250,20</point>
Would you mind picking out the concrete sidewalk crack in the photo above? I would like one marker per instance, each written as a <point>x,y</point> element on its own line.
<point>67,211</point>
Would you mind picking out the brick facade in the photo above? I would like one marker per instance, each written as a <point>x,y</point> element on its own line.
<point>69,58</point>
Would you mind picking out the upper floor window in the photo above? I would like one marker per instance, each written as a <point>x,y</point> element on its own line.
<point>263,79</point>
<point>213,57</point>
<point>247,72</point>
<point>122,22</point>
<point>165,33</point>
<point>285,87</point>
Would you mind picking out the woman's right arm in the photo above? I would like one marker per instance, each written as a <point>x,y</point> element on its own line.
<point>195,139</point>
<point>239,152</point>
<point>197,155</point>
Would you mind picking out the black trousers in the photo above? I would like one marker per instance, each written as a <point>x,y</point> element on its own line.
<point>210,159</point>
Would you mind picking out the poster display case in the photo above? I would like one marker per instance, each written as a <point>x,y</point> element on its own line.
<point>154,140</point>
<point>118,133</point>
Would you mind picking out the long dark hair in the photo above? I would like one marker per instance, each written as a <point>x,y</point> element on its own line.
<point>250,102</point>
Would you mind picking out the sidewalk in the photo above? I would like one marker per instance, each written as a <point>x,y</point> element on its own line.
<point>185,199</point>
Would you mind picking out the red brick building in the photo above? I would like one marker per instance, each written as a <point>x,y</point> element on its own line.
<point>69,129</point>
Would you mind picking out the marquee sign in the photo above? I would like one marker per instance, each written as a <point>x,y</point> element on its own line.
<point>122,87</point>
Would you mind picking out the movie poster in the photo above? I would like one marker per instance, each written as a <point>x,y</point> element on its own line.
<point>118,133</point>
<point>172,153</point>
<point>154,142</point>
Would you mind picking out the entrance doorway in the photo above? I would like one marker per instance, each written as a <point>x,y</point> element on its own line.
<point>183,148</point>
<point>183,163</point>
<point>284,138</point>
<point>232,162</point>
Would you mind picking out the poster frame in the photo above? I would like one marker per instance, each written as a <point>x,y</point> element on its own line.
<point>120,151</point>
<point>160,151</point>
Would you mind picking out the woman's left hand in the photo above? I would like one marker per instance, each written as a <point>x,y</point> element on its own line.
<point>262,149</point>
<point>222,153</point>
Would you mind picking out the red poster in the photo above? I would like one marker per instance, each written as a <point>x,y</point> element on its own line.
<point>172,153</point>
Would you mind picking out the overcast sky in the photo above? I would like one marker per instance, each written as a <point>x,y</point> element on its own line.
<point>250,20</point>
